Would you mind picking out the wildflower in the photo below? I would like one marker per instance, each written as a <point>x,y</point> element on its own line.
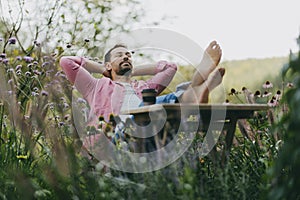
<point>272,103</point>
<point>67,117</point>
<point>257,93</point>
<point>19,72</point>
<point>18,58</point>
<point>248,95</point>
<point>233,91</point>
<point>35,89</point>
<point>87,40</point>
<point>36,43</point>
<point>34,94</point>
<point>28,59</point>
<point>1,39</point>
<point>12,40</point>
<point>10,70</point>
<point>44,93</point>
<point>3,55</point>
<point>46,57</point>
<point>226,102</point>
<point>48,73</point>
<point>29,65</point>
<point>290,85</point>
<point>27,73</point>
<point>18,67</point>
<point>278,94</point>
<point>60,124</point>
<point>45,64</point>
<point>66,106</point>
<point>35,63</point>
<point>69,45</point>
<point>267,85</point>
<point>5,61</point>
<point>37,72</point>
<point>266,94</point>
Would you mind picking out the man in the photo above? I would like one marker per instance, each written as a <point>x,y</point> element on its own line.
<point>116,91</point>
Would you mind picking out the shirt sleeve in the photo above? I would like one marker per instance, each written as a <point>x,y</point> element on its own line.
<point>165,71</point>
<point>77,74</point>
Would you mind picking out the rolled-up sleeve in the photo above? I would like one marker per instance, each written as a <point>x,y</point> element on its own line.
<point>165,71</point>
<point>77,74</point>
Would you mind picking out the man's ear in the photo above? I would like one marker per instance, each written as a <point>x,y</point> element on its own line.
<point>108,66</point>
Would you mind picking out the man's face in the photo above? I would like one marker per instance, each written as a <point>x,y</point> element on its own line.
<point>120,60</point>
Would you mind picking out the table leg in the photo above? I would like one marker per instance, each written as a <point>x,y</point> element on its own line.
<point>229,138</point>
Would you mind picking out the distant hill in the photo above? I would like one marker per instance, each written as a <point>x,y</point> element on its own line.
<point>250,73</point>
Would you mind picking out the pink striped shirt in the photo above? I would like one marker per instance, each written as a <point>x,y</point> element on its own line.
<point>105,96</point>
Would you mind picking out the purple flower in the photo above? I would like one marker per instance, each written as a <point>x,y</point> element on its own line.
<point>44,93</point>
<point>1,39</point>
<point>18,72</point>
<point>5,61</point>
<point>19,58</point>
<point>18,67</point>
<point>45,64</point>
<point>66,106</point>
<point>46,57</point>
<point>27,73</point>
<point>3,55</point>
<point>12,40</point>
<point>36,72</point>
<point>28,59</point>
<point>34,94</point>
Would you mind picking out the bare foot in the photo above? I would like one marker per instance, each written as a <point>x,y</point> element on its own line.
<point>214,53</point>
<point>215,79</point>
<point>209,62</point>
<point>200,94</point>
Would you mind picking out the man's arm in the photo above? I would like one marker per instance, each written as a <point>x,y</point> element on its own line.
<point>77,74</point>
<point>164,73</point>
<point>90,66</point>
<point>144,70</point>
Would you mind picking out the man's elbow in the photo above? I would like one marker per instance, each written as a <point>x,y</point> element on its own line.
<point>173,66</point>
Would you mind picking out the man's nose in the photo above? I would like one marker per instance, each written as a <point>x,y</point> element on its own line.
<point>125,58</point>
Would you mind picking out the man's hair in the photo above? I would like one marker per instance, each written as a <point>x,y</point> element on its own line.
<point>107,55</point>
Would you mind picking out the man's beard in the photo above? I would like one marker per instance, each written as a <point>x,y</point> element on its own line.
<point>124,71</point>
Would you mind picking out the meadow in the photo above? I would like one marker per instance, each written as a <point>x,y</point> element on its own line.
<point>41,151</point>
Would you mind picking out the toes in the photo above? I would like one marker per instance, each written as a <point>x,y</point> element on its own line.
<point>212,44</point>
<point>222,71</point>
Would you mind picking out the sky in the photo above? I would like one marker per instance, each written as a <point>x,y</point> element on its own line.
<point>244,29</point>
